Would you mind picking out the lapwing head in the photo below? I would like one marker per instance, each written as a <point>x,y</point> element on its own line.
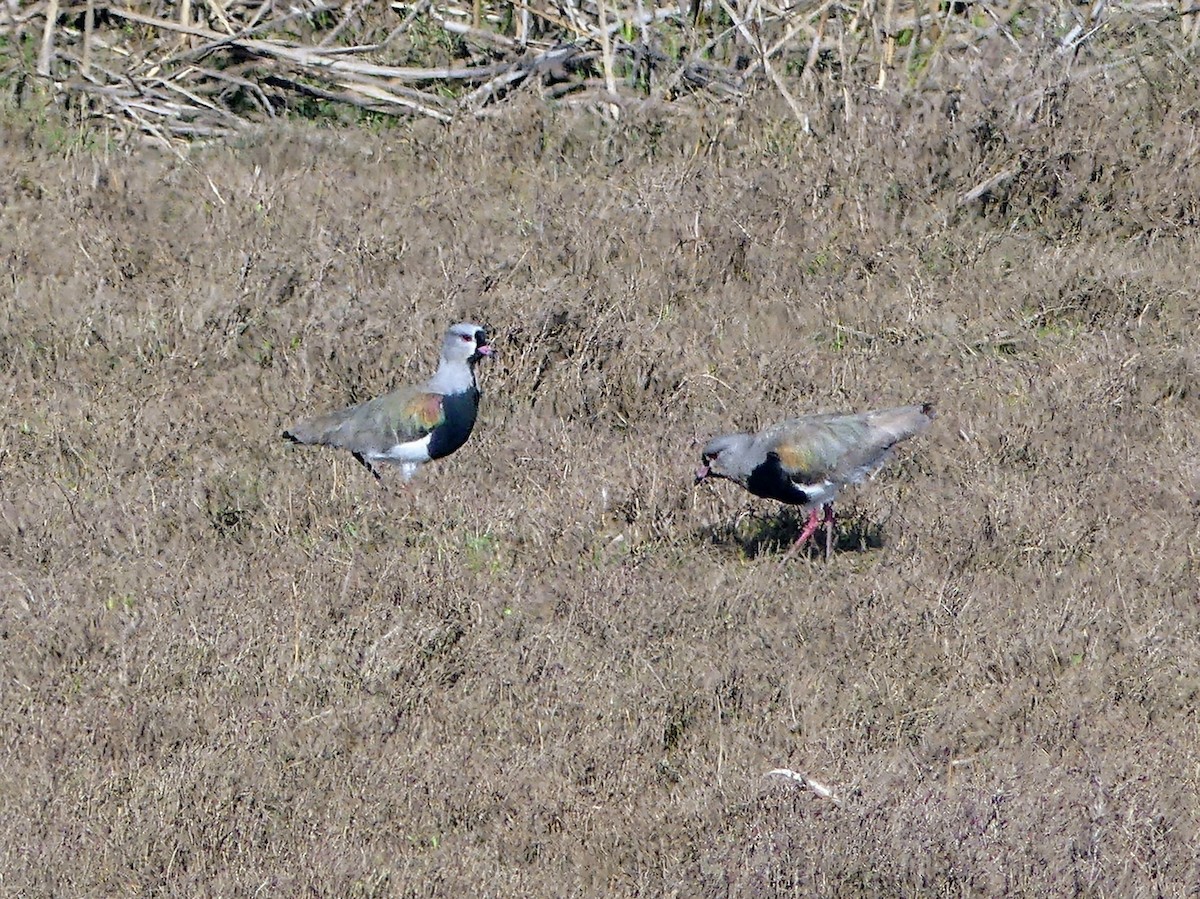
<point>466,342</point>
<point>721,458</point>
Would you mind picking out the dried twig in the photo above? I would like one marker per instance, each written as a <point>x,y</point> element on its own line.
<point>46,54</point>
<point>814,787</point>
<point>606,57</point>
<point>413,13</point>
<point>986,186</point>
<point>350,15</point>
<point>89,24</point>
<point>549,61</point>
<point>766,64</point>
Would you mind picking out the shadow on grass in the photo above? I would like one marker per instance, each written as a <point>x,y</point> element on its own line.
<point>752,535</point>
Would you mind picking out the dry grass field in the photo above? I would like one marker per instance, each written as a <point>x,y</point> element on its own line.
<point>230,666</point>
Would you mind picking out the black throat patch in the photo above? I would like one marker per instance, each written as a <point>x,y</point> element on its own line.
<point>460,410</point>
<point>771,481</point>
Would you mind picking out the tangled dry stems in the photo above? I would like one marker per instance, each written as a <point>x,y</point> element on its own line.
<point>204,69</point>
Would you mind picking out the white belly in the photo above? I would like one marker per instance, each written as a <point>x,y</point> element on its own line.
<point>409,455</point>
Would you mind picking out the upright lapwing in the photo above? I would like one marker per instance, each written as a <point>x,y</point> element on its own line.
<point>411,425</point>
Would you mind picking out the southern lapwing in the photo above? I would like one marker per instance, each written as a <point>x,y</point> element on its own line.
<point>806,461</point>
<point>411,425</point>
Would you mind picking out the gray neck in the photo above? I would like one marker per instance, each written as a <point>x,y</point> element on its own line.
<point>452,377</point>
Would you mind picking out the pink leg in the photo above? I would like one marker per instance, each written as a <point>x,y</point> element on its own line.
<point>810,528</point>
<point>828,530</point>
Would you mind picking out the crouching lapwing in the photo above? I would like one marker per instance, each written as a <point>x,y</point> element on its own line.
<point>806,461</point>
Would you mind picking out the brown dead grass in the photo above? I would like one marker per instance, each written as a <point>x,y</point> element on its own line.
<point>231,667</point>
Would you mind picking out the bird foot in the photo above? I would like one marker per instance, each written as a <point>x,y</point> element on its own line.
<point>810,528</point>
<point>815,520</point>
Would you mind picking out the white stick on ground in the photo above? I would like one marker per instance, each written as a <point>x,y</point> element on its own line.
<point>814,787</point>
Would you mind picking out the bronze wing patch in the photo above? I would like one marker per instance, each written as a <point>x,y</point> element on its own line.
<point>422,413</point>
<point>801,463</point>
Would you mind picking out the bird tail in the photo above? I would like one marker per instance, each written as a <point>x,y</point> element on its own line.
<point>903,421</point>
<point>320,430</point>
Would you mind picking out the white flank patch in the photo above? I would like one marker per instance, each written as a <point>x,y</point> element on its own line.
<point>412,452</point>
<point>819,494</point>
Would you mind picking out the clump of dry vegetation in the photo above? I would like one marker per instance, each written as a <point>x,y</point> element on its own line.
<point>206,68</point>
<point>553,668</point>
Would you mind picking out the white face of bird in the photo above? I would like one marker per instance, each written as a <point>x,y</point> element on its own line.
<point>467,342</point>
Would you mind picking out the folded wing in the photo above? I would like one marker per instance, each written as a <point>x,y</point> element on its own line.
<point>842,449</point>
<point>374,427</point>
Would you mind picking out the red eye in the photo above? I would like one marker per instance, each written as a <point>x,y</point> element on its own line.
<point>466,337</point>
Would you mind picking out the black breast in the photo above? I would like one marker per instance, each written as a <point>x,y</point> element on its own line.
<point>459,409</point>
<point>770,480</point>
